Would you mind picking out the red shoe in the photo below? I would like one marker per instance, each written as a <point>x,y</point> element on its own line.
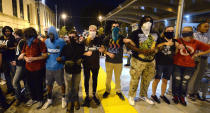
<point>182,100</point>
<point>176,99</point>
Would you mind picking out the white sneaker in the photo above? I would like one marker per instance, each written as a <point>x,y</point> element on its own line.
<point>147,100</point>
<point>31,102</point>
<point>47,104</point>
<point>131,101</point>
<point>64,103</point>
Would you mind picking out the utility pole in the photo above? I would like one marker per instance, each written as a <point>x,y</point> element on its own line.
<point>38,13</point>
<point>56,14</point>
<point>179,18</point>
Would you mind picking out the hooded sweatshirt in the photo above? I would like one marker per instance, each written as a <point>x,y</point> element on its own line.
<point>54,50</point>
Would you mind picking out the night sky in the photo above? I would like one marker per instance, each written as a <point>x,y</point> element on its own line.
<point>83,12</point>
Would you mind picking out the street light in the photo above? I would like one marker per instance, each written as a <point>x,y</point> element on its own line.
<point>64,16</point>
<point>100,18</point>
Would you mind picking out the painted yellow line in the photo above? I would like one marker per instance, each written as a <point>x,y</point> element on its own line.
<point>112,104</point>
<point>86,109</point>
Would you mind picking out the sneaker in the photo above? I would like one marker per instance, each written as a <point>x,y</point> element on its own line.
<point>121,96</point>
<point>105,95</point>
<point>155,99</point>
<point>176,99</point>
<point>39,104</point>
<point>47,104</point>
<point>131,101</point>
<point>64,103</point>
<point>97,101</point>
<point>147,100</point>
<point>192,97</point>
<point>31,102</point>
<point>165,99</point>
<point>182,100</point>
<point>87,102</point>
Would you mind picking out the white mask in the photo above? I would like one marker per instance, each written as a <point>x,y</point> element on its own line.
<point>146,28</point>
<point>92,34</point>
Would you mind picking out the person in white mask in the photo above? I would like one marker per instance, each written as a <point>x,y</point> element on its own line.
<point>142,42</point>
<point>91,63</point>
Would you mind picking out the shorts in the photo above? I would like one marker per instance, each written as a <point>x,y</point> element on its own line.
<point>164,71</point>
<point>55,75</point>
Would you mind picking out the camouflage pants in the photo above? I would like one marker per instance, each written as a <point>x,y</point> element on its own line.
<point>145,70</point>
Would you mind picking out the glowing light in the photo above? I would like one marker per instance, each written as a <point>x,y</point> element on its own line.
<point>64,16</point>
<point>142,7</point>
<point>100,18</point>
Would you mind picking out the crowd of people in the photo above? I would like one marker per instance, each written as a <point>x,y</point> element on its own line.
<point>41,61</point>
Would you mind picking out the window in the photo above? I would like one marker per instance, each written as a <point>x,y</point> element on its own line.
<point>21,9</point>
<point>28,10</point>
<point>0,5</point>
<point>14,6</point>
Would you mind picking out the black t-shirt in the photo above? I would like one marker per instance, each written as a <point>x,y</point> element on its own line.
<point>73,53</point>
<point>143,42</point>
<point>20,45</point>
<point>166,53</point>
<point>114,48</point>
<point>8,54</point>
<point>93,46</point>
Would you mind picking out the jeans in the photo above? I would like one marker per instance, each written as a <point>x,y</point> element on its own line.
<point>195,81</point>
<point>181,77</point>
<point>72,82</point>
<point>35,83</point>
<point>94,71</point>
<point>19,75</point>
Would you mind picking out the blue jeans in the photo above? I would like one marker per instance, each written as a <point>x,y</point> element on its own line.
<point>72,82</point>
<point>19,75</point>
<point>181,78</point>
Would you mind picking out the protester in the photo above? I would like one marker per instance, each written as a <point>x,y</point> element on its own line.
<point>142,43</point>
<point>114,55</point>
<point>201,62</point>
<point>164,62</point>
<point>7,49</point>
<point>71,55</point>
<point>34,53</point>
<point>91,63</point>
<point>20,67</point>
<point>54,69</point>
<point>185,64</point>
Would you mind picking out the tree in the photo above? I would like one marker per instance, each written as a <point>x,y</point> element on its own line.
<point>63,31</point>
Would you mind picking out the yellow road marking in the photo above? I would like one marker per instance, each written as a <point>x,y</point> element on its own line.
<point>112,104</point>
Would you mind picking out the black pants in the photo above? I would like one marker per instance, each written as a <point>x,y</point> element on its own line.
<point>35,83</point>
<point>6,69</point>
<point>181,77</point>
<point>94,71</point>
<point>2,98</point>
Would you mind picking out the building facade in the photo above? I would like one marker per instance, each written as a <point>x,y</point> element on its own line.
<point>23,13</point>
